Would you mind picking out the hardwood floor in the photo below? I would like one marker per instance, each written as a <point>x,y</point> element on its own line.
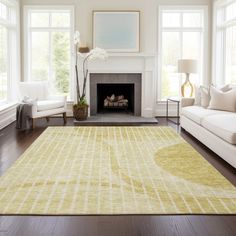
<point>13,143</point>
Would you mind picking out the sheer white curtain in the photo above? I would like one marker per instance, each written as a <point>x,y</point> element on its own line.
<point>224,57</point>
<point>9,49</point>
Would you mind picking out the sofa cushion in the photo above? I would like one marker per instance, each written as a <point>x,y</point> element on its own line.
<point>49,105</point>
<point>222,125</point>
<point>198,113</point>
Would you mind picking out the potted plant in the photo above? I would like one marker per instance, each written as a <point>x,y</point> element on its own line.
<point>80,109</point>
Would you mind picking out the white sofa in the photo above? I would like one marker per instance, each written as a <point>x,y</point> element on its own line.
<point>215,129</point>
<point>44,104</point>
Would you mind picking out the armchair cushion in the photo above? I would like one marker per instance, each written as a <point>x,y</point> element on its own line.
<point>43,103</point>
<point>49,105</point>
<point>58,98</point>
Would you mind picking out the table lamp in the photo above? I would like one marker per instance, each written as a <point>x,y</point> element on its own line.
<point>188,67</point>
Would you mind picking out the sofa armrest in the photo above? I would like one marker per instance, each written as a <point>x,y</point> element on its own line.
<point>186,102</point>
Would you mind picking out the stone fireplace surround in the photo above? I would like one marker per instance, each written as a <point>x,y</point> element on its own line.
<point>115,78</point>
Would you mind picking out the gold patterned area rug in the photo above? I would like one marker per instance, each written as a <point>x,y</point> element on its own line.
<point>113,170</point>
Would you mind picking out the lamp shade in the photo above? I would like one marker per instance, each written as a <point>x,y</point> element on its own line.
<point>187,66</point>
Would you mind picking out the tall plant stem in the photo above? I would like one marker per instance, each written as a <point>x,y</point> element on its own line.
<point>85,73</point>
<point>85,82</point>
<point>77,74</point>
<point>77,83</point>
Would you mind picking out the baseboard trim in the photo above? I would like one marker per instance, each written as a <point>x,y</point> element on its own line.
<point>7,116</point>
<point>7,121</point>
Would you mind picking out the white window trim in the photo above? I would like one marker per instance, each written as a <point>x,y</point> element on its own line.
<point>223,3</point>
<point>232,22</point>
<point>14,74</point>
<point>27,63</point>
<point>204,72</point>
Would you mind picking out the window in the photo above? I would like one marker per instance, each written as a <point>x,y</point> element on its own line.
<point>224,57</point>
<point>9,64</point>
<point>181,36</point>
<point>49,47</point>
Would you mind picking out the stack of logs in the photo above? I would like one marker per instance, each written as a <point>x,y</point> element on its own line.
<point>116,102</point>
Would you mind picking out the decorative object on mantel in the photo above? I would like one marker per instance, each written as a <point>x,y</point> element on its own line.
<point>80,110</point>
<point>187,66</point>
<point>117,31</point>
<point>84,49</point>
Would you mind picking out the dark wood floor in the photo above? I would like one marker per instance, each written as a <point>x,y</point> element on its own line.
<point>13,143</point>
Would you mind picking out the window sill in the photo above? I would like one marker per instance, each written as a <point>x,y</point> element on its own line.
<point>7,106</point>
<point>161,102</point>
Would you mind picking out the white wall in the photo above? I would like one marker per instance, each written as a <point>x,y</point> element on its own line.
<point>148,8</point>
<point>149,16</point>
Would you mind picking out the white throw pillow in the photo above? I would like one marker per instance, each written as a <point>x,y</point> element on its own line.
<point>197,100</point>
<point>225,88</point>
<point>205,96</point>
<point>225,101</point>
<point>27,99</point>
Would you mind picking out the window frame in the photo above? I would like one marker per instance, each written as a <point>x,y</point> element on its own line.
<point>220,72</point>
<point>204,30</point>
<point>27,39</point>
<point>13,51</point>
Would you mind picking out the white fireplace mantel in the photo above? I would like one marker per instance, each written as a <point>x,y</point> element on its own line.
<point>140,54</point>
<point>143,63</point>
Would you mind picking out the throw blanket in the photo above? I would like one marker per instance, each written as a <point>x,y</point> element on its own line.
<point>23,114</point>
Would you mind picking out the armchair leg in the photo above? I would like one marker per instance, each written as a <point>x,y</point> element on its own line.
<point>33,123</point>
<point>64,118</point>
<point>47,118</point>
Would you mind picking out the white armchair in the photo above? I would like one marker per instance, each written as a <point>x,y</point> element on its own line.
<point>44,105</point>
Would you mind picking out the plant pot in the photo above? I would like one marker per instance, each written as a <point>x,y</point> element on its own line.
<point>80,112</point>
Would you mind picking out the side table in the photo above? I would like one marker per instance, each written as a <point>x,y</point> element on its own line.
<point>173,100</point>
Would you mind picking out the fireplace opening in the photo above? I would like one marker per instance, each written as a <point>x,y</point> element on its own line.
<point>115,98</point>
<point>106,84</point>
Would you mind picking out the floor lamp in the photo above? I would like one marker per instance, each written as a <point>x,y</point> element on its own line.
<point>188,67</point>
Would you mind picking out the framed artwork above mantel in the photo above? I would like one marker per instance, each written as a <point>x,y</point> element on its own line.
<point>117,31</point>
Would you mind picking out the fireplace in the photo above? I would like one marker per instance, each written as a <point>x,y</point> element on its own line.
<point>115,97</point>
<point>115,89</point>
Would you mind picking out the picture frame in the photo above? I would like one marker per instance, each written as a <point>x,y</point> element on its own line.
<point>117,31</point>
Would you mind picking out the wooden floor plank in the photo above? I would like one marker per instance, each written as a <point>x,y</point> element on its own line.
<point>216,225</point>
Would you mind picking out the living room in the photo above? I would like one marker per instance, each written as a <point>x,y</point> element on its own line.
<point>117,117</point>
